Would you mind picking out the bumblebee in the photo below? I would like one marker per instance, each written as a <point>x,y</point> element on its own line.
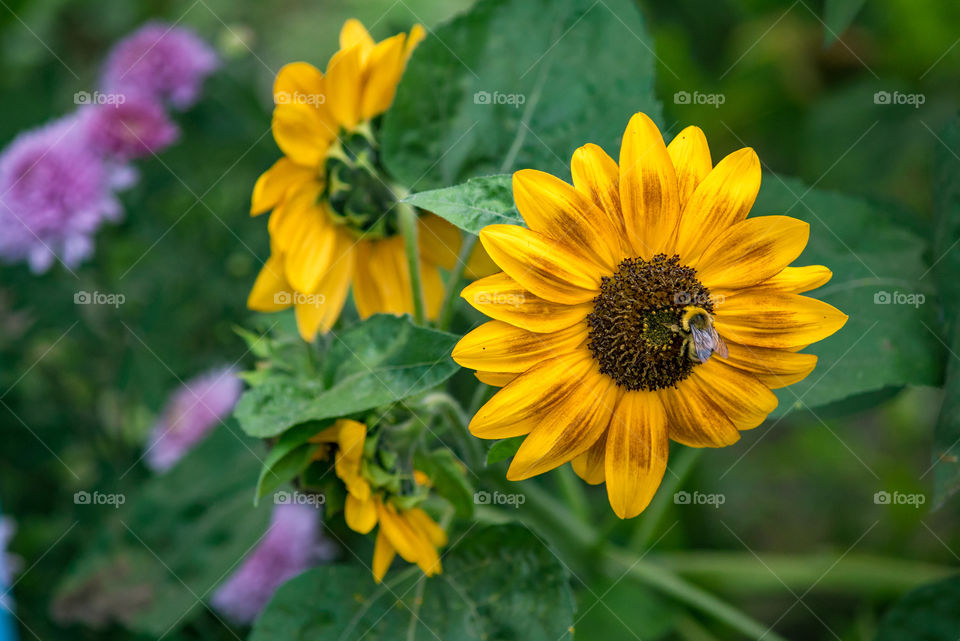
<point>700,337</point>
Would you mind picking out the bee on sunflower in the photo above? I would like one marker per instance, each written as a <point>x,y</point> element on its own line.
<point>639,305</point>
<point>376,499</point>
<point>335,220</point>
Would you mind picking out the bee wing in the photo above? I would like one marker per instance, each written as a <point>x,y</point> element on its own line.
<point>720,347</point>
<point>703,343</point>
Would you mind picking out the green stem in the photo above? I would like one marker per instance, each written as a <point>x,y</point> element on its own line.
<point>572,489</point>
<point>454,281</point>
<point>649,522</point>
<point>460,421</point>
<point>408,226</point>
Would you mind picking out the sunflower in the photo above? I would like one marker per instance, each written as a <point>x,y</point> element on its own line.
<point>334,220</point>
<point>405,529</point>
<point>639,306</point>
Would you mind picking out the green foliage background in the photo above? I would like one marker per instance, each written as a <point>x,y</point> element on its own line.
<point>80,385</point>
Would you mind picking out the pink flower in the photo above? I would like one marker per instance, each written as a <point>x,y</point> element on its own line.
<point>160,61</point>
<point>137,127</point>
<point>191,413</point>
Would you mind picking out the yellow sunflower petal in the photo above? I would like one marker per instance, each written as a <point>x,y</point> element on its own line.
<point>343,82</point>
<point>433,289</point>
<point>648,188</point>
<point>301,133</point>
<point>318,312</point>
<point>693,419</point>
<point>270,292</point>
<point>745,400</point>
<point>773,367</point>
<point>422,521</point>
<point>273,184</point>
<point>723,198</point>
<point>502,298</point>
<point>439,241</point>
<point>301,82</point>
<point>589,465</point>
<point>417,34</point>
<point>797,280</point>
<point>354,33</point>
<point>410,543</point>
<point>495,379</point>
<point>597,175</point>
<point>311,249</point>
<point>691,160</point>
<point>573,423</point>
<point>361,516</point>
<point>500,347</point>
<point>532,395</point>
<point>636,453</point>
<point>752,251</point>
<point>541,264</point>
<point>383,555</point>
<point>381,76</point>
<point>778,321</point>
<point>389,264</point>
<point>561,213</point>
<point>366,294</point>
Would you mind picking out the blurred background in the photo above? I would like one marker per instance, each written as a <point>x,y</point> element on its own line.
<point>80,385</point>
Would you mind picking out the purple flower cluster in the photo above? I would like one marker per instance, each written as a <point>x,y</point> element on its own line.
<point>58,182</point>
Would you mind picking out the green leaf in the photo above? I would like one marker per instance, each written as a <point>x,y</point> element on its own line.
<point>474,204</point>
<point>504,449</point>
<point>449,478</point>
<point>180,536</point>
<point>612,609</point>
<point>882,344</point>
<point>518,83</point>
<point>946,438</point>
<point>498,583</point>
<point>379,361</point>
<point>929,612</point>
<point>837,16</point>
<point>288,458</point>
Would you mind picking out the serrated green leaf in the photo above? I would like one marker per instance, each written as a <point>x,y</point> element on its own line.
<point>474,204</point>
<point>288,457</point>
<point>515,83</point>
<point>449,478</point>
<point>882,345</point>
<point>379,361</point>
<point>504,449</point>
<point>929,612</point>
<point>497,583</point>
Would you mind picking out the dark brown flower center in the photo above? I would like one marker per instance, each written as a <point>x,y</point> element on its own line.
<point>635,324</point>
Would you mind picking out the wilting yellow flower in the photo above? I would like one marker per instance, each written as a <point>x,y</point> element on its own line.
<point>606,309</point>
<point>334,222</point>
<point>411,533</point>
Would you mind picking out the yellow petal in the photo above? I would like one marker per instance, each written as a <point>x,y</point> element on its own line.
<point>745,400</point>
<point>389,264</point>
<point>797,280</point>
<point>366,293</point>
<point>589,465</point>
<point>752,251</point>
<point>274,183</point>
<point>693,419</point>
<point>439,241</point>
<point>301,133</point>
<point>383,554</point>
<point>597,175</point>
<point>311,251</point>
<point>382,75</point>
<point>566,216</point>
<point>723,198</point>
<point>422,521</point>
<point>479,264</point>
<point>354,33</point>
<point>773,367</point>
<point>637,452</point>
<point>410,543</point>
<point>502,298</point>
<point>350,440</point>
<point>648,188</point>
<point>343,83</point>
<point>541,264</point>
<point>500,347</point>
<point>778,321</point>
<point>433,289</point>
<point>532,395</point>
<point>495,379</point>
<point>318,312</point>
<point>302,83</point>
<point>270,292</point>
<point>574,423</point>
<point>361,516</point>
<point>691,160</point>
<point>417,34</point>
